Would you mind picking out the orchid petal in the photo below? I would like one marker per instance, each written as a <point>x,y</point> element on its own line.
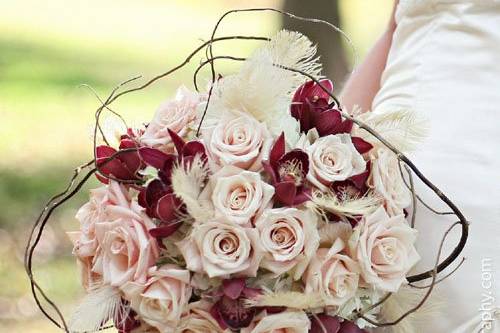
<point>232,288</point>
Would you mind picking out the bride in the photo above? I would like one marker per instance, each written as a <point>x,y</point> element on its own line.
<point>441,58</point>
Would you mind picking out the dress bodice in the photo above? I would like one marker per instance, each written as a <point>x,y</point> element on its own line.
<point>444,64</point>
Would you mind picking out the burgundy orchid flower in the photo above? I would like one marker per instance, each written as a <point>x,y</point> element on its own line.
<point>230,310</point>
<point>324,323</point>
<point>311,107</point>
<point>125,166</point>
<point>288,173</point>
<point>158,197</point>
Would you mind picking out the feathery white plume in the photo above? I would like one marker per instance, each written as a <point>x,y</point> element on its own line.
<point>289,299</point>
<point>404,129</point>
<point>347,205</point>
<point>263,89</point>
<point>187,182</point>
<point>98,307</point>
<point>331,231</point>
<point>402,301</point>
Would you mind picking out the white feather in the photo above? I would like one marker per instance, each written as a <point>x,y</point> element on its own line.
<point>405,299</point>
<point>263,89</point>
<point>347,205</point>
<point>187,182</point>
<point>404,129</point>
<point>98,307</point>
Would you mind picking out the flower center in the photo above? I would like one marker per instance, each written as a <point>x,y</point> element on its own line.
<point>292,170</point>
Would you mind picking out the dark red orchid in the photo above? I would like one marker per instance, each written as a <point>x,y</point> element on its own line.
<point>162,204</point>
<point>124,166</point>
<point>324,323</point>
<point>230,310</point>
<point>288,173</point>
<point>311,107</point>
<point>158,197</point>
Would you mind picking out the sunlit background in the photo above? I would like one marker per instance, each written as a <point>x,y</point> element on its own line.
<point>48,51</point>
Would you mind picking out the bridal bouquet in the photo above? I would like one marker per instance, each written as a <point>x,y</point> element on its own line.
<point>254,207</point>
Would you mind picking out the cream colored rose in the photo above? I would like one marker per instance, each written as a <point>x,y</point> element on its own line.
<point>198,319</point>
<point>221,249</point>
<point>333,158</point>
<point>384,248</point>
<point>238,196</point>
<point>110,207</point>
<point>386,180</point>
<point>238,139</point>
<point>107,203</point>
<point>284,322</point>
<point>289,238</point>
<point>332,274</point>
<point>126,251</point>
<point>160,301</point>
<point>177,115</point>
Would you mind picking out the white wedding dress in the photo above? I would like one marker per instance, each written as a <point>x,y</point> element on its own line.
<point>444,63</point>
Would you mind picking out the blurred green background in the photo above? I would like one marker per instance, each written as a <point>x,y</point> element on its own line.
<point>48,49</point>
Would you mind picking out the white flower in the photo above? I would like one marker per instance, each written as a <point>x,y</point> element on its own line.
<point>333,158</point>
<point>238,196</point>
<point>177,115</point>
<point>384,248</point>
<point>289,238</point>
<point>386,179</point>
<point>238,139</point>
<point>332,274</point>
<point>162,299</point>
<point>221,249</point>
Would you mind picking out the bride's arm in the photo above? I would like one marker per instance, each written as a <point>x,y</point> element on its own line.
<point>364,82</point>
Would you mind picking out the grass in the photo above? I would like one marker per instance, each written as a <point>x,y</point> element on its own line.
<point>47,50</point>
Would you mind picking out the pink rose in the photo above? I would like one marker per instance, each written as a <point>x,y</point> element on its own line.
<point>289,238</point>
<point>333,158</point>
<point>176,115</point>
<point>126,251</point>
<point>198,319</point>
<point>384,248</point>
<point>106,203</point>
<point>284,322</point>
<point>162,299</point>
<point>239,140</point>
<point>386,180</point>
<point>221,249</point>
<point>238,196</point>
<point>332,274</point>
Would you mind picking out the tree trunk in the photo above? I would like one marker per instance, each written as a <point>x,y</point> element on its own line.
<point>330,46</point>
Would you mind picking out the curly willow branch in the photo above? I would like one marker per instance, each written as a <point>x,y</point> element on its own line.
<point>72,189</point>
